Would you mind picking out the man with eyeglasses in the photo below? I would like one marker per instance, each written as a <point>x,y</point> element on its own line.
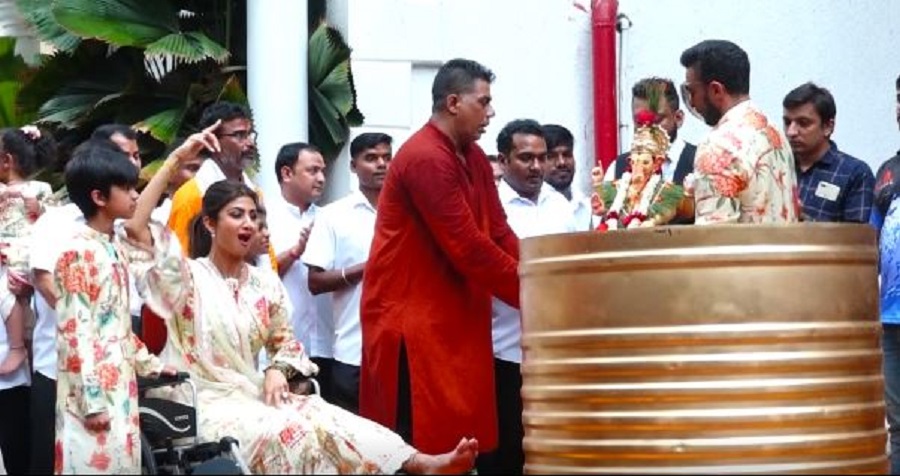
<point>744,169</point>
<point>237,140</point>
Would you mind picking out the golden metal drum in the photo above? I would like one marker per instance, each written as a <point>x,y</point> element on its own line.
<point>726,349</point>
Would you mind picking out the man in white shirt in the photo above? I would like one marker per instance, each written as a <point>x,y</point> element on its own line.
<point>336,256</point>
<point>680,161</point>
<point>59,222</point>
<point>559,170</point>
<point>301,174</point>
<point>532,208</point>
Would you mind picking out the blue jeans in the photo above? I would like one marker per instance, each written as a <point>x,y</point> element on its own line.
<point>890,346</point>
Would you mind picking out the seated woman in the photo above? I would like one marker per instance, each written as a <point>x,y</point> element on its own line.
<point>220,312</point>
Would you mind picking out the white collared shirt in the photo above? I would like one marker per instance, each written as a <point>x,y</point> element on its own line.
<point>668,167</point>
<point>61,223</point>
<point>310,327</point>
<point>341,238</point>
<point>551,214</point>
<point>581,211</point>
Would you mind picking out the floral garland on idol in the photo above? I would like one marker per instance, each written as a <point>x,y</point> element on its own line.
<point>657,201</point>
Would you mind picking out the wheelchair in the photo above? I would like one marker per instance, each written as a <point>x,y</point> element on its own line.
<point>170,437</point>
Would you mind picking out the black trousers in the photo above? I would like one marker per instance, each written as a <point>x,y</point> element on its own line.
<point>15,429</point>
<point>324,377</point>
<point>345,385</point>
<point>509,457</point>
<point>43,423</point>
<point>404,398</point>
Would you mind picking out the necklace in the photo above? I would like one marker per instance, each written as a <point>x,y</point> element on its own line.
<point>232,282</point>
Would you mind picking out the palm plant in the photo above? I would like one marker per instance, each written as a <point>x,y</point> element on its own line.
<point>156,64</point>
<point>332,97</point>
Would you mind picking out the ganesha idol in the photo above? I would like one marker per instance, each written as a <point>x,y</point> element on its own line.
<point>641,198</point>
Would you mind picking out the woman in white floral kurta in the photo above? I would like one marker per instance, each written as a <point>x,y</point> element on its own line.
<point>216,327</point>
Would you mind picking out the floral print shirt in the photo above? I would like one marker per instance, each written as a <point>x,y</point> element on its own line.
<point>744,171</point>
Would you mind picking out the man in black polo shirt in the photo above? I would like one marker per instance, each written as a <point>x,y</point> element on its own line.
<point>680,162</point>
<point>833,185</point>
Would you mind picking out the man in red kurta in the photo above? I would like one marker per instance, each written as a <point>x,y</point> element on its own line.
<point>442,248</point>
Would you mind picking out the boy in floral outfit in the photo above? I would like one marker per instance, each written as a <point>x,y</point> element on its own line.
<point>97,421</point>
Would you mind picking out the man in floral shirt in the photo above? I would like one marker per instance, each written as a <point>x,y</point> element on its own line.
<point>744,168</point>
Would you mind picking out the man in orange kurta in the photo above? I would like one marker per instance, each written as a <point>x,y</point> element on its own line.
<point>237,140</point>
<point>442,248</point>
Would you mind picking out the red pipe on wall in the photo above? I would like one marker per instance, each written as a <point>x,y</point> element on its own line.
<point>603,62</point>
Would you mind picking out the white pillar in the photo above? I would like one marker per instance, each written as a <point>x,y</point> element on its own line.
<point>277,42</point>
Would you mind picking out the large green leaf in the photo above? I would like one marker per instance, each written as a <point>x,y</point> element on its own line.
<point>163,126</point>
<point>118,22</point>
<point>336,87</point>
<point>73,104</point>
<point>233,92</point>
<point>327,49</point>
<point>38,13</point>
<point>189,47</point>
<point>12,67</point>
<point>332,96</point>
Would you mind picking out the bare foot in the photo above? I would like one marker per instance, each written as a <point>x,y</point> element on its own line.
<point>459,461</point>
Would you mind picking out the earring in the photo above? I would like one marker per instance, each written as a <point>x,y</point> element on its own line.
<point>212,234</point>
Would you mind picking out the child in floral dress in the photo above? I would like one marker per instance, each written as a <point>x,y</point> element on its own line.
<point>22,153</point>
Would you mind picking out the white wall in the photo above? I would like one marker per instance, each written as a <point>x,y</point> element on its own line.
<point>537,48</point>
<point>540,52</point>
<point>846,46</point>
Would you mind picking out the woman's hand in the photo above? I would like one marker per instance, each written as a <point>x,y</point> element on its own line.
<point>275,388</point>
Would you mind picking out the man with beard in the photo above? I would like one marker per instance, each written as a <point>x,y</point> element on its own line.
<point>336,255</point>
<point>728,187</point>
<point>441,249</point>
<point>886,219</point>
<point>532,208</point>
<point>671,118</point>
<point>237,139</point>
<point>559,170</point>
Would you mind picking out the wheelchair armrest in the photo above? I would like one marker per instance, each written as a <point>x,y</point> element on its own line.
<point>147,383</point>
<point>302,385</point>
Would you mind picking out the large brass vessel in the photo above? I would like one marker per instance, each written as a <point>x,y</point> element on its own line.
<point>727,349</point>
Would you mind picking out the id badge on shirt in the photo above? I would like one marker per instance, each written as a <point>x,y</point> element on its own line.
<point>828,191</point>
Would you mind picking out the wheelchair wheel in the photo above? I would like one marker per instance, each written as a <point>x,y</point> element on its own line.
<point>148,462</point>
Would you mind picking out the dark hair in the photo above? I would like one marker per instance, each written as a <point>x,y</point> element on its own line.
<point>898,82</point>
<point>519,126</point>
<point>107,131</point>
<point>30,155</point>
<point>367,140</point>
<point>224,110</point>
<point>97,165</point>
<point>217,196</point>
<point>493,158</point>
<point>722,61</point>
<point>818,96</point>
<point>556,135</point>
<point>642,88</point>
<point>288,155</point>
<point>457,76</point>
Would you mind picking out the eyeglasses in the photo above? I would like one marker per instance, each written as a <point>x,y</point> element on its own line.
<point>241,136</point>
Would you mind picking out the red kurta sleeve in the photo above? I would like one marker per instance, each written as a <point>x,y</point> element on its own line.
<point>436,188</point>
